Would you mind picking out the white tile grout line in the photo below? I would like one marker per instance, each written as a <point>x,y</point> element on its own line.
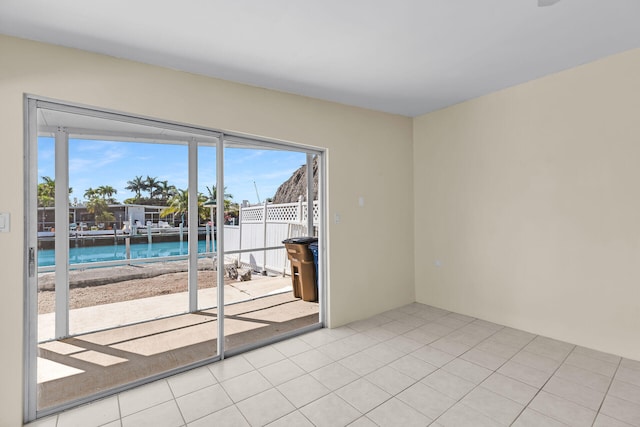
<point>173,395</point>
<point>119,409</point>
<point>478,385</point>
<point>415,381</point>
<point>545,383</point>
<point>607,392</point>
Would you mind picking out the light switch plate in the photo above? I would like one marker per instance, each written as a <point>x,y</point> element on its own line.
<point>5,222</point>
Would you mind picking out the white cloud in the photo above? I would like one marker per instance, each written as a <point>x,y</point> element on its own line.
<point>104,158</point>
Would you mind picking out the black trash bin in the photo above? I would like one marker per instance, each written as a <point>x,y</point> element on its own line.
<point>303,270</point>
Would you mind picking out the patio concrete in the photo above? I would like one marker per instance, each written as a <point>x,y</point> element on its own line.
<point>75,367</point>
<point>99,317</point>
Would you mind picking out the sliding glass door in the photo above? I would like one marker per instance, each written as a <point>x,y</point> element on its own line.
<point>145,244</point>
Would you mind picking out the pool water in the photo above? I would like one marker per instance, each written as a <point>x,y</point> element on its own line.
<point>83,254</point>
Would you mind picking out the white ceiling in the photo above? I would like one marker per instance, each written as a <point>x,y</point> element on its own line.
<point>401,56</point>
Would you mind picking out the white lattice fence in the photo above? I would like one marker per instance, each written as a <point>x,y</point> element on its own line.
<point>258,231</point>
<point>283,213</point>
<point>251,214</point>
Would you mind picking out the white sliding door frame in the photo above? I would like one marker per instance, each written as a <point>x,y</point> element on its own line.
<point>30,260</point>
<point>200,137</point>
<point>219,233</point>
<point>62,232</point>
<point>193,231</point>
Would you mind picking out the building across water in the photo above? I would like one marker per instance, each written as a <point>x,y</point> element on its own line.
<point>81,219</point>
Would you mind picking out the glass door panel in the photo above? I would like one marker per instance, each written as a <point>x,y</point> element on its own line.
<point>114,306</point>
<point>267,205</point>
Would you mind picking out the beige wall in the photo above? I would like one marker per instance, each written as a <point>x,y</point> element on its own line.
<point>530,199</point>
<point>369,155</point>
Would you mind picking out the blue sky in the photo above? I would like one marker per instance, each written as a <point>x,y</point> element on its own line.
<point>94,163</point>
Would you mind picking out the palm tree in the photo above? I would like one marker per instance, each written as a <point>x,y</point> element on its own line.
<point>179,205</point>
<point>137,185</point>
<point>91,193</point>
<point>107,192</point>
<point>213,195</point>
<point>99,208</point>
<point>166,191</point>
<point>151,184</point>
<point>47,192</point>
<point>47,195</point>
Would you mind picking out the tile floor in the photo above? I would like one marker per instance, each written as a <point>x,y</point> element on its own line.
<point>416,365</point>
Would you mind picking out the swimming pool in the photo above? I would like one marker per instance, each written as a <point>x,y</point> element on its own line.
<point>83,254</point>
